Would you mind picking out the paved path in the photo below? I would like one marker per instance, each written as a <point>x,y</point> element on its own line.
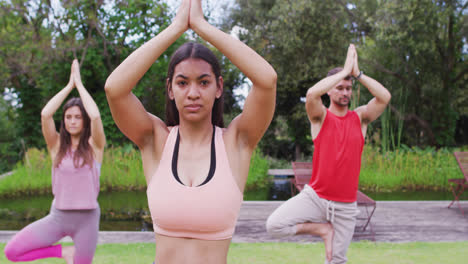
<point>392,222</point>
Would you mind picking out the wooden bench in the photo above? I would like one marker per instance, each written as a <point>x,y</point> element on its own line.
<point>459,185</point>
<point>302,174</point>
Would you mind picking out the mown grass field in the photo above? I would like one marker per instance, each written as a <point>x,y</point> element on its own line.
<point>293,253</point>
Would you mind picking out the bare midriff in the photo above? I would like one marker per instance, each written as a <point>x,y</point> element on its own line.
<point>175,250</point>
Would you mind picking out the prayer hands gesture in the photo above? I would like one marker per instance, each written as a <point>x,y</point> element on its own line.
<point>75,77</point>
<point>355,72</point>
<point>351,64</point>
<point>190,14</point>
<point>351,59</point>
<point>183,14</point>
<point>76,72</point>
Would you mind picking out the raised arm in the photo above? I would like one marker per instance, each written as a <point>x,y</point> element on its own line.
<point>259,106</point>
<point>376,106</point>
<point>97,130</point>
<point>49,130</point>
<point>314,107</point>
<point>127,111</point>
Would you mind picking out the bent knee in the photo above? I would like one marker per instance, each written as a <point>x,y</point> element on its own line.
<point>11,253</point>
<point>278,229</point>
<point>270,226</point>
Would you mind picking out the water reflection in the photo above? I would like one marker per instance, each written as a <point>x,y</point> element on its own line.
<point>128,211</point>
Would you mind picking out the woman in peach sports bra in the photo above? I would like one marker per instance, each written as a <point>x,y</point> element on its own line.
<point>195,169</point>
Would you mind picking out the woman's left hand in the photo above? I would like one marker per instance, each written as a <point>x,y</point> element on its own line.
<point>76,72</point>
<point>196,13</point>
<point>182,16</point>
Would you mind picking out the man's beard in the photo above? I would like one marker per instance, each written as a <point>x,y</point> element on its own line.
<point>341,103</point>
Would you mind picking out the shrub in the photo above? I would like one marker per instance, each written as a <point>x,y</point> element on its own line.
<point>258,172</point>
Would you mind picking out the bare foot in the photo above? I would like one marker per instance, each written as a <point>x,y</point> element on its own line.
<point>327,235</point>
<point>68,253</point>
<point>324,230</point>
<point>328,240</point>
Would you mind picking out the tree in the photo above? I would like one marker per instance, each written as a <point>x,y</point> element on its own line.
<point>417,48</point>
<point>38,42</point>
<point>302,40</point>
<point>9,146</point>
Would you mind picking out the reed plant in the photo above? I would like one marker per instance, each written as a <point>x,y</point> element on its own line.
<point>402,169</point>
<point>258,172</point>
<point>121,170</point>
<point>32,176</point>
<point>407,169</point>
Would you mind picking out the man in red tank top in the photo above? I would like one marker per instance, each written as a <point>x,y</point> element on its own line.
<point>327,205</point>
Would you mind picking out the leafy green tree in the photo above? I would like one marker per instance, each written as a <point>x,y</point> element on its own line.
<point>24,42</point>
<point>102,36</point>
<point>39,40</point>
<point>418,49</point>
<point>9,145</point>
<point>302,39</point>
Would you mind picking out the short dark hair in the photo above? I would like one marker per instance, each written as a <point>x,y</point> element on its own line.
<point>337,70</point>
<point>196,51</point>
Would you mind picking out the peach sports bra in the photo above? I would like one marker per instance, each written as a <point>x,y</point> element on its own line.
<point>208,211</point>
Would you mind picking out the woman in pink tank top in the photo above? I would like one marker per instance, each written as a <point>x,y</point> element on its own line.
<point>195,169</point>
<point>76,151</point>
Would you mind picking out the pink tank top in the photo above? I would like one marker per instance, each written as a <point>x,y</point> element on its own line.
<point>206,212</point>
<point>337,158</point>
<point>75,188</point>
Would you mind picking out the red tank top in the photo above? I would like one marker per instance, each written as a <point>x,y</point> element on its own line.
<point>337,158</point>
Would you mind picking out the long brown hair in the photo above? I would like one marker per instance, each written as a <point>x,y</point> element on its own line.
<point>196,51</point>
<point>84,151</point>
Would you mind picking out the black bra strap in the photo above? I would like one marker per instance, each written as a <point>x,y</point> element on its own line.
<point>175,157</point>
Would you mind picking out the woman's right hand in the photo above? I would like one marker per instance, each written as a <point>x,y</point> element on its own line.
<point>71,82</point>
<point>182,17</point>
<point>49,130</point>
<point>76,73</point>
<point>196,14</point>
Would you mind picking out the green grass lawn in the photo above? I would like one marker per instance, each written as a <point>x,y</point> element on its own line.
<point>293,253</point>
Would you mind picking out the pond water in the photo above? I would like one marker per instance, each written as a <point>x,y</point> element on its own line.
<point>281,190</point>
<point>128,211</point>
<point>119,211</point>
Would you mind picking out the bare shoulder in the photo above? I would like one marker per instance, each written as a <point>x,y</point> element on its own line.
<point>158,124</point>
<point>237,146</point>
<point>320,116</point>
<point>238,151</point>
<point>316,113</point>
<point>53,151</point>
<point>231,133</point>
<point>153,146</point>
<point>161,132</point>
<point>316,124</point>
<point>360,111</point>
<point>98,152</point>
